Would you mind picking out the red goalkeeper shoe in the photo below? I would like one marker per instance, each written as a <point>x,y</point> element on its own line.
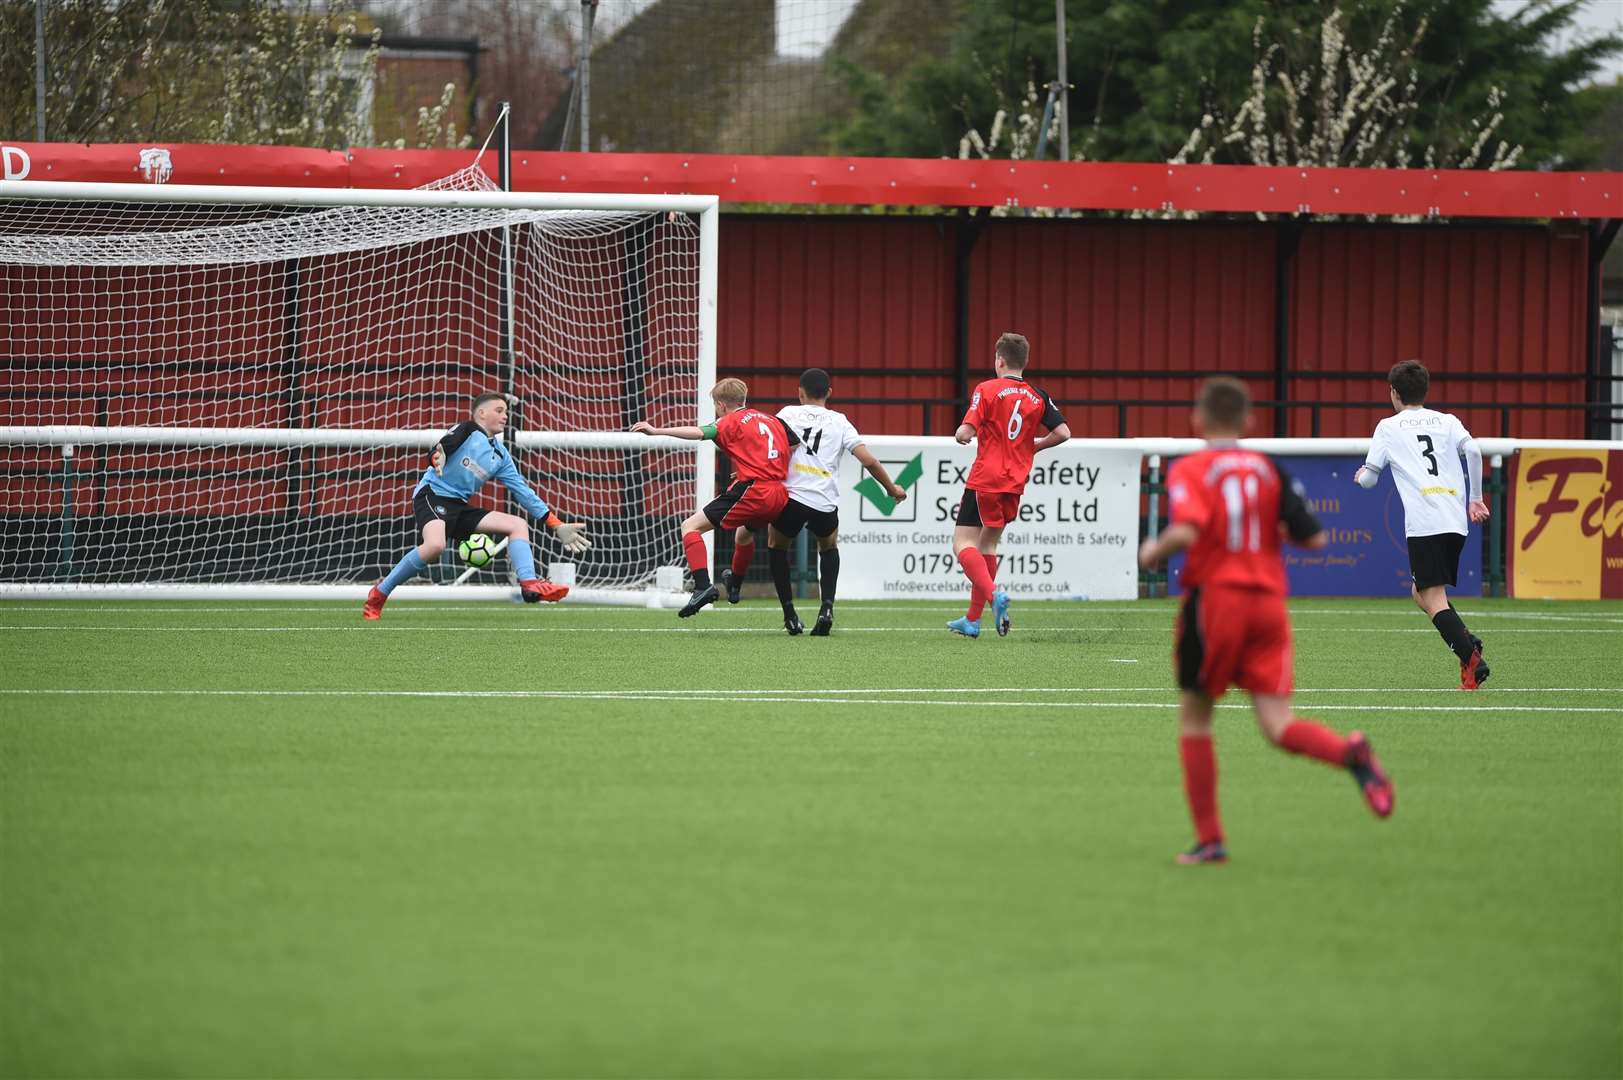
<point>372,610</point>
<point>536,590</point>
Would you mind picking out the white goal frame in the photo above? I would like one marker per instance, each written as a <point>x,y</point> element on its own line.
<point>666,589</point>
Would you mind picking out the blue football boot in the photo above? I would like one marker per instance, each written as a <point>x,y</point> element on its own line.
<point>1000,612</point>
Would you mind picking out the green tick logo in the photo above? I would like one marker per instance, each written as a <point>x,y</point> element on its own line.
<point>870,490</point>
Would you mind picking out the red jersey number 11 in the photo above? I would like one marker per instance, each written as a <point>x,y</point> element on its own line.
<point>1244,517</point>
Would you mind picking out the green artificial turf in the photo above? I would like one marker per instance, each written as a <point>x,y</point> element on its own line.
<point>498,840</point>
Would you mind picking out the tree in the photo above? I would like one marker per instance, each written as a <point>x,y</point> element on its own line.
<point>1453,87</point>
<point>255,71</point>
<point>530,48</point>
<point>1144,76</point>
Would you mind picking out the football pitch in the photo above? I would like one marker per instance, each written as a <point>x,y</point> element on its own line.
<point>494,840</point>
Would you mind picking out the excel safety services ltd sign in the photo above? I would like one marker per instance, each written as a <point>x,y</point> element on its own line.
<point>1077,536</point>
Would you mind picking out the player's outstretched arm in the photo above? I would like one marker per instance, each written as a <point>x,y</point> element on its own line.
<point>571,535</point>
<point>687,431</point>
<point>878,471</point>
<point>1053,438</point>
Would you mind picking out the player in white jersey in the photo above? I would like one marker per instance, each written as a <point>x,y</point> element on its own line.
<point>814,500</point>
<point>1423,448</point>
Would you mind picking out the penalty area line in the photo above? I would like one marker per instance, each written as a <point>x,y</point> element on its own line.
<point>797,699</point>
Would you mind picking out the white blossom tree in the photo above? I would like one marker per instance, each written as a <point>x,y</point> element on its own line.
<point>1345,108</point>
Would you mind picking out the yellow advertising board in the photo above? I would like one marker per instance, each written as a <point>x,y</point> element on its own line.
<point>1566,525</point>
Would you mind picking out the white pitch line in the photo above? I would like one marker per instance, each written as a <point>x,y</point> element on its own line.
<point>1157,607</point>
<point>842,691</point>
<point>595,695</point>
<point>487,628</point>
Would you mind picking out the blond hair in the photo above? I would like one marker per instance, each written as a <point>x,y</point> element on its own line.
<point>732,391</point>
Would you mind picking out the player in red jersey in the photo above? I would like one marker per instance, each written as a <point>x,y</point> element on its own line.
<point>759,445</point>
<point>1230,507</point>
<point>1004,417</point>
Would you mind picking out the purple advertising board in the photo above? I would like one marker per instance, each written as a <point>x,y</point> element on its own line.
<point>1368,553</point>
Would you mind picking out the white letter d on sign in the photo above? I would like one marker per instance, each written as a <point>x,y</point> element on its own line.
<point>14,160</point>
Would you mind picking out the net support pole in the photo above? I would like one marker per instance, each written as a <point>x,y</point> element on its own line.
<point>504,170</point>
<point>634,382</point>
<point>709,276</point>
<point>1495,571</point>
<point>515,407</point>
<point>64,558</point>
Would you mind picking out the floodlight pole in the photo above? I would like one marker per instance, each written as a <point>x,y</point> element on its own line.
<point>1064,84</point>
<point>588,11</point>
<point>39,69</point>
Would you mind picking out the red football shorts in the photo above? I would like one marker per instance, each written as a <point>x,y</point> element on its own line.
<point>992,509</point>
<point>751,503</point>
<point>1233,637</point>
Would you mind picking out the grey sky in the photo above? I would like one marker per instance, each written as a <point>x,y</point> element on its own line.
<point>1596,17</point>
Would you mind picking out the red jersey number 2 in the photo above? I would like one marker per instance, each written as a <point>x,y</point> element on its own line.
<point>1244,515</point>
<point>771,446</point>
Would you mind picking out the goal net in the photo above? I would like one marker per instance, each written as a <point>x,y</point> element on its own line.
<point>239,387</point>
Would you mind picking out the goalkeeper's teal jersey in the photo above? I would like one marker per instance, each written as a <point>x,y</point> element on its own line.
<point>472,459</point>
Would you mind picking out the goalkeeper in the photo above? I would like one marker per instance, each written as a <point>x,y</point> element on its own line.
<point>463,460</point>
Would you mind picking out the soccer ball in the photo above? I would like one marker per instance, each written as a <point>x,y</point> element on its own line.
<point>477,550</point>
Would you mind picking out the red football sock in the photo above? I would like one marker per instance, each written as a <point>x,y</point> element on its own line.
<point>693,548</point>
<point>991,567</point>
<point>980,591</point>
<point>742,555</point>
<point>1200,786</point>
<point>1314,740</point>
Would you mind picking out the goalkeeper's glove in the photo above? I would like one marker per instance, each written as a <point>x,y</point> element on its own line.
<point>572,537</point>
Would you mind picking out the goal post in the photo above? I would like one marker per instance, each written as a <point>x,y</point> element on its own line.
<point>219,390</point>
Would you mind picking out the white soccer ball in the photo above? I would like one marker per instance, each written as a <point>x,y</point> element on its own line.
<point>477,550</point>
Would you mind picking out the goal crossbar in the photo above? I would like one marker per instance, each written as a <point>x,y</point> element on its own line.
<point>275,196</point>
<point>337,438</point>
